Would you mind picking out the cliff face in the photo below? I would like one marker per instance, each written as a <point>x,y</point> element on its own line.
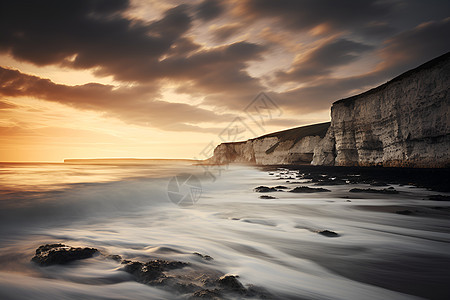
<point>404,122</point>
<point>293,146</point>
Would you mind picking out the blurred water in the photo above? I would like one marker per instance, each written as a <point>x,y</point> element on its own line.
<point>124,209</point>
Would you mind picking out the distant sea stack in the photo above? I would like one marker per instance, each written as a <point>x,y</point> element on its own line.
<point>402,123</point>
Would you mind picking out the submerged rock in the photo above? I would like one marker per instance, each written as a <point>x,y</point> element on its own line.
<point>281,187</point>
<point>199,282</point>
<point>265,189</point>
<point>328,233</point>
<point>404,212</point>
<point>267,197</point>
<point>306,189</point>
<point>439,198</point>
<point>57,254</point>
<point>204,256</point>
<point>390,190</point>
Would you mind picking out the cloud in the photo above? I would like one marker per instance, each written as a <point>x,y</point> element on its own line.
<point>321,60</point>
<point>399,54</point>
<point>306,15</point>
<point>6,105</point>
<point>418,45</point>
<point>130,104</point>
<point>222,33</point>
<point>209,9</point>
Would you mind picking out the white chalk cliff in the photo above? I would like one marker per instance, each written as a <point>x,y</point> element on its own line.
<point>402,123</point>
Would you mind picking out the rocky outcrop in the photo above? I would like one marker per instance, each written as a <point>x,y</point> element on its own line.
<point>292,146</point>
<point>402,123</point>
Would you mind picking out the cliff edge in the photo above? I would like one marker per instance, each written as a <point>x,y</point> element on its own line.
<point>402,123</point>
<point>292,146</point>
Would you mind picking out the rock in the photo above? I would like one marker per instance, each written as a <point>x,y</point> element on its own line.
<point>267,197</point>
<point>151,272</point>
<point>56,254</point>
<point>280,148</point>
<point>207,294</point>
<point>328,233</point>
<point>305,189</point>
<point>230,283</point>
<point>281,187</point>
<point>377,183</point>
<point>439,198</point>
<point>265,189</point>
<point>404,212</point>
<point>390,190</point>
<point>115,257</point>
<point>203,256</point>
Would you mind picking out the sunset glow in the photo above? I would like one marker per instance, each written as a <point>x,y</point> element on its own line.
<point>162,79</point>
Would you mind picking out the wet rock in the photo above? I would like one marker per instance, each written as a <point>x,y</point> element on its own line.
<point>328,233</point>
<point>151,272</point>
<point>115,257</point>
<point>230,283</point>
<point>267,197</point>
<point>378,183</point>
<point>305,189</point>
<point>203,256</point>
<point>390,190</point>
<point>265,189</point>
<point>439,198</point>
<point>281,187</point>
<point>404,212</point>
<point>207,294</point>
<point>57,254</point>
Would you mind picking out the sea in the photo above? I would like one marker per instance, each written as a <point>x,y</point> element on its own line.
<point>383,246</point>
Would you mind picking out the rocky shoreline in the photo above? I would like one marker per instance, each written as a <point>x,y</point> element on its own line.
<point>187,279</point>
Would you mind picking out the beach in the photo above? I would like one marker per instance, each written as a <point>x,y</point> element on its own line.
<point>303,234</point>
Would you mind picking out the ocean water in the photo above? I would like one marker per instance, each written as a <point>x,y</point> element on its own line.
<point>125,209</point>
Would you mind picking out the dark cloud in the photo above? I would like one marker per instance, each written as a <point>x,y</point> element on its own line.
<point>418,45</point>
<point>132,105</point>
<point>305,15</point>
<point>322,60</point>
<point>209,9</point>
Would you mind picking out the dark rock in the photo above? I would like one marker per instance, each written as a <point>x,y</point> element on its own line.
<point>439,198</point>
<point>328,233</point>
<point>390,190</point>
<point>378,183</point>
<point>207,294</point>
<point>305,189</point>
<point>56,254</point>
<point>329,181</point>
<point>265,189</point>
<point>267,197</point>
<point>115,257</point>
<point>230,283</point>
<point>404,212</point>
<point>281,187</point>
<point>205,257</point>
<point>151,272</point>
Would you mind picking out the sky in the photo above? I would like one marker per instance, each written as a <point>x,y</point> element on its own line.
<point>172,79</point>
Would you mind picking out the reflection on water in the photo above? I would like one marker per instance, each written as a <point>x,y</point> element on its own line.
<point>272,243</point>
<point>52,176</point>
